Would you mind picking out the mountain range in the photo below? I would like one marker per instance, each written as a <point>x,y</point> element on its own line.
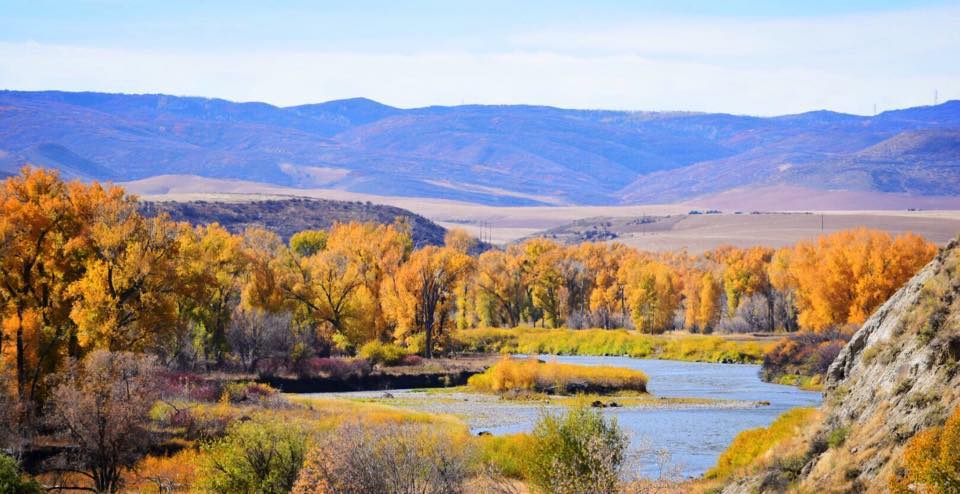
<point>499,155</point>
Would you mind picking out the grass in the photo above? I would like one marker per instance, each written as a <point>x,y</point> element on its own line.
<point>806,383</point>
<point>600,342</point>
<point>749,446</point>
<point>531,375</point>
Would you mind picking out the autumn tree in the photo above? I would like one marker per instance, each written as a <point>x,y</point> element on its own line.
<point>607,296</point>
<point>709,307</point>
<point>502,276</point>
<point>212,265</point>
<point>40,234</point>
<point>419,297</point>
<point>843,277</point>
<point>545,259</point>
<point>126,298</point>
<point>652,290</point>
<point>375,251</point>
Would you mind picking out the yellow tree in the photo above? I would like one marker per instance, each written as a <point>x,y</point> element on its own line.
<point>419,297</point>
<point>126,298</point>
<point>502,276</point>
<point>709,305</point>
<point>692,285</point>
<point>545,258</point>
<point>261,286</point>
<point>375,252</point>
<point>322,290</point>
<point>845,276</point>
<point>607,296</point>
<point>653,294</point>
<point>212,265</point>
<point>39,243</point>
<point>745,274</point>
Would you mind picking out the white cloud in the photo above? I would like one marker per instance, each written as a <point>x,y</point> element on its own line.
<point>763,66</point>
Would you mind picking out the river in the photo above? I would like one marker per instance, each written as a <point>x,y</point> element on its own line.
<point>692,436</point>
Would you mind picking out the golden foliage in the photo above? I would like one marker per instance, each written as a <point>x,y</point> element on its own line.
<point>750,445</point>
<point>931,460</point>
<point>510,374</point>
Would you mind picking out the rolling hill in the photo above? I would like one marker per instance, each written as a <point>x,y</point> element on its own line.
<point>497,155</point>
<point>288,216</point>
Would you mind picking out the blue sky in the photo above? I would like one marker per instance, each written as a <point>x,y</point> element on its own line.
<point>754,57</point>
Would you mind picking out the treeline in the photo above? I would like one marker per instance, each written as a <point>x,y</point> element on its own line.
<point>82,269</point>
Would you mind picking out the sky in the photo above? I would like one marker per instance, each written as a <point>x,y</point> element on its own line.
<point>746,57</point>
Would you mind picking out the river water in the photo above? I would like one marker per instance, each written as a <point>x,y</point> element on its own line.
<point>689,438</point>
<point>692,437</point>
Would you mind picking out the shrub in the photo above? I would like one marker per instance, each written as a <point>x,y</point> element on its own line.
<point>506,453</point>
<point>578,452</point>
<point>254,457</point>
<point>12,480</point>
<point>751,444</point>
<point>165,474</point>
<point>387,459</point>
<point>530,374</point>
<point>382,353</point>
<point>334,368</point>
<point>837,437</point>
<point>931,460</point>
<point>805,353</point>
<point>188,386</point>
<point>247,392</point>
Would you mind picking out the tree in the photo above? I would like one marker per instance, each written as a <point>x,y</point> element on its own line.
<point>126,297</point>
<point>40,236</point>
<point>419,297</point>
<point>608,296</point>
<point>708,308</point>
<point>652,290</point>
<point>460,239</point>
<point>547,291</point>
<point>376,251</point>
<point>255,457</point>
<point>212,266</point>
<point>101,405</point>
<point>502,276</point>
<point>845,276</point>
<point>306,243</point>
<point>252,331</point>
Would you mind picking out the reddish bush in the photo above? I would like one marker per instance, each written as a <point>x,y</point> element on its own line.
<point>189,386</point>
<point>411,360</point>
<point>335,368</point>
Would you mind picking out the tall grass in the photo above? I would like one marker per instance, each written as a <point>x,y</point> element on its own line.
<point>600,342</point>
<point>751,445</point>
<point>530,374</point>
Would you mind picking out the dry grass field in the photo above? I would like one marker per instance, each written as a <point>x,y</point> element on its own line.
<point>504,224</point>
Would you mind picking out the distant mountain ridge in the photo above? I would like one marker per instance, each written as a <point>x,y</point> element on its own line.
<point>501,155</point>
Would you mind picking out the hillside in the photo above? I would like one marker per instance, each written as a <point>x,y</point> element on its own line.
<point>498,155</point>
<point>900,374</point>
<point>288,216</point>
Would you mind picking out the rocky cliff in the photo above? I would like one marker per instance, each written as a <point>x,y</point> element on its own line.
<point>898,375</point>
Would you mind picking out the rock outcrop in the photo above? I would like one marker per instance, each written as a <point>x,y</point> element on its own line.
<point>899,374</point>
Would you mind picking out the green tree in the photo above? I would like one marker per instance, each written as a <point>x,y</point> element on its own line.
<point>255,457</point>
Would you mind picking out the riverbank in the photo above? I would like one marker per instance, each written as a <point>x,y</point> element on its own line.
<point>744,349</point>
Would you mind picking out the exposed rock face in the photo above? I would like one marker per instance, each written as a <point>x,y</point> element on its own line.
<point>898,375</point>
